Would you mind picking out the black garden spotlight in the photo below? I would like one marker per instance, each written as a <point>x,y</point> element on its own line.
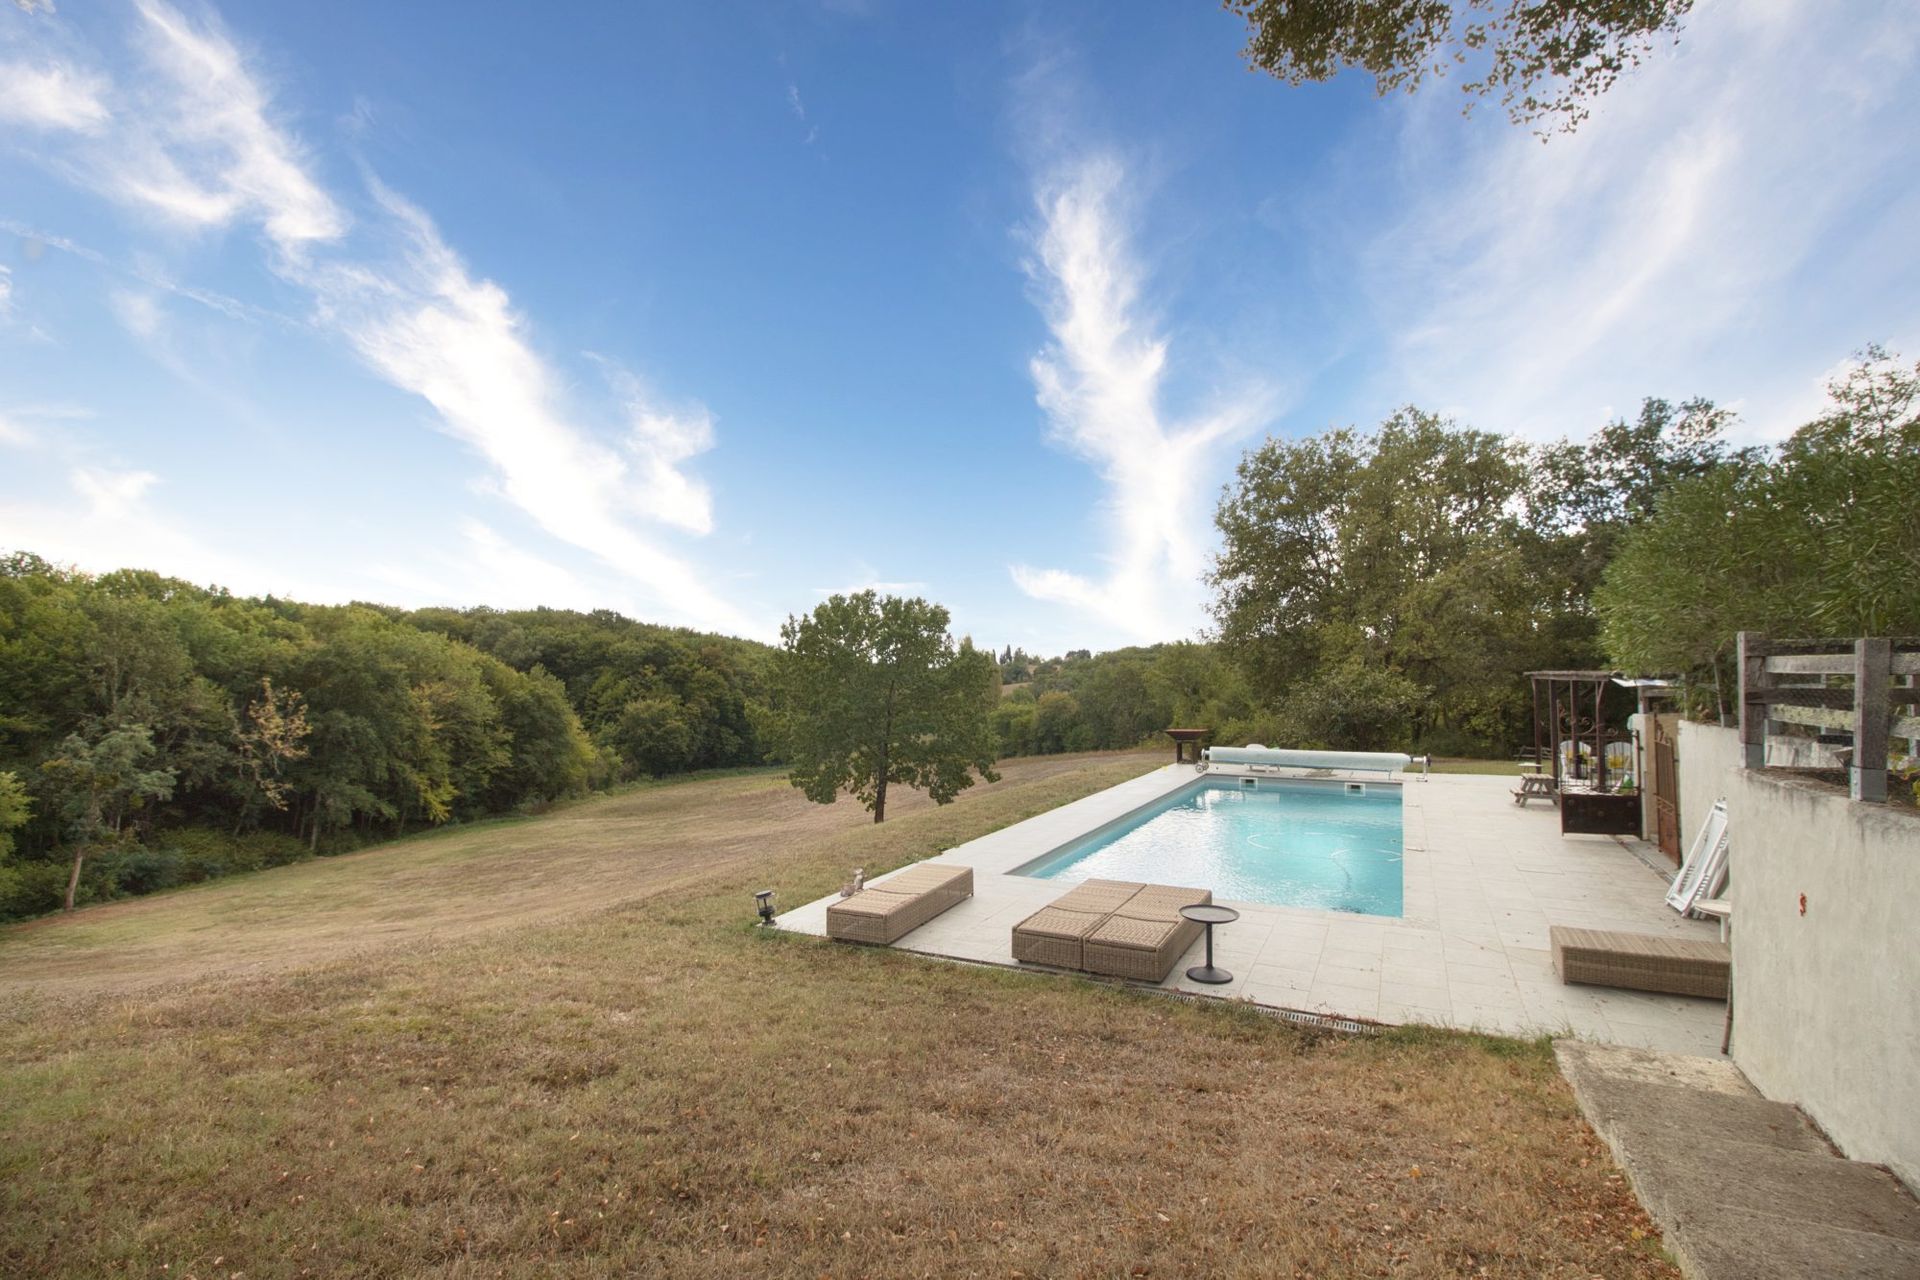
<point>765,900</point>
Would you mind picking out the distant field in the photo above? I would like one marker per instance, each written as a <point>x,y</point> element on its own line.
<point>443,885</point>
<point>558,1046</point>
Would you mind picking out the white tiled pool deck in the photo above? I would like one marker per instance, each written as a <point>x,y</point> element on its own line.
<point>1483,882</point>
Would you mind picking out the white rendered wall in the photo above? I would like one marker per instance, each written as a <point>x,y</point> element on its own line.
<point>1826,999</point>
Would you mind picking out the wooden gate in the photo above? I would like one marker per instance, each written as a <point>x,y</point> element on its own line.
<point>1666,787</point>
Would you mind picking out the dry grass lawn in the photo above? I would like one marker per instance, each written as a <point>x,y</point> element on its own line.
<point>556,1047</point>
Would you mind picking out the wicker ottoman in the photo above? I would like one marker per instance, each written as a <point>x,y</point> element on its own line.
<point>1642,962</point>
<point>1162,902</point>
<point>1112,927</point>
<point>890,910</point>
<point>1055,936</point>
<point>1098,896</point>
<point>1140,950</point>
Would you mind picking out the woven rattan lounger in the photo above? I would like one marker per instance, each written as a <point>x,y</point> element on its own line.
<point>886,912</point>
<point>1642,962</point>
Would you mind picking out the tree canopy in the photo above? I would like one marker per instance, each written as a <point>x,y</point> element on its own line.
<point>1820,537</point>
<point>874,692</point>
<point>1387,588</point>
<point>1544,60</point>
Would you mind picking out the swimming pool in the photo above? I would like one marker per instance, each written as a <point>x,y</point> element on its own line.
<point>1281,841</point>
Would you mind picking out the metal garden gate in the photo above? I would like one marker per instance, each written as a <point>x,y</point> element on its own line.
<point>1666,787</point>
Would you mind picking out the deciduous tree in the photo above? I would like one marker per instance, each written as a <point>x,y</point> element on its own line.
<point>876,692</point>
<point>98,782</point>
<point>269,734</point>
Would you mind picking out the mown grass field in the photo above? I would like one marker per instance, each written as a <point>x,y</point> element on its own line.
<point>557,1047</point>
<point>1449,764</point>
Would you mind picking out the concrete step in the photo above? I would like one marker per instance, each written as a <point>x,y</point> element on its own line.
<point>1740,1186</point>
<point>1739,1118</point>
<point>1686,1171</point>
<point>1761,1244</point>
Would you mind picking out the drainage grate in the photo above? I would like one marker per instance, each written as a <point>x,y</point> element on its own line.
<point>1322,1022</point>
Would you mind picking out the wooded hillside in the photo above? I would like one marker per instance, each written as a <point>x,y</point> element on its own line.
<point>153,732</point>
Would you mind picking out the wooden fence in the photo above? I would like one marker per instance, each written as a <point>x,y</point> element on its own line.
<point>1865,688</point>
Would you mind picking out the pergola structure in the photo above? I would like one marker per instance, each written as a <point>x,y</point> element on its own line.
<point>1569,707</point>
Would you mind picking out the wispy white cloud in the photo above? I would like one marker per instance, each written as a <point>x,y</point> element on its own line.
<point>205,148</point>
<point>1692,238</point>
<point>1100,383</point>
<point>37,241</point>
<point>658,440</point>
<point>428,326</point>
<point>209,151</point>
<point>194,144</point>
<point>799,107</point>
<point>109,491</point>
<point>483,567</point>
<point>108,516</point>
<point>27,426</point>
<point>138,313</point>
<point>6,289</point>
<point>52,95</point>
<point>107,519</point>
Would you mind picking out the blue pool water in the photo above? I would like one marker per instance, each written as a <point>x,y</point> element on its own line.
<point>1296,844</point>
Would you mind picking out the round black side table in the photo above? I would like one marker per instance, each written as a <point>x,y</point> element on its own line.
<point>1209,915</point>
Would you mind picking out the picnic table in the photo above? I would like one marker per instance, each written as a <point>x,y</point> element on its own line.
<point>1534,786</point>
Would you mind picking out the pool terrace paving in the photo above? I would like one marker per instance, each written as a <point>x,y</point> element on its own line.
<point>1484,881</point>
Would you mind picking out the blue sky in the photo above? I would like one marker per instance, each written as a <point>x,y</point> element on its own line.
<point>700,312</point>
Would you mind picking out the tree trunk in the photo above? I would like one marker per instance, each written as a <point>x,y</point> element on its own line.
<point>886,751</point>
<point>73,881</point>
<point>313,842</point>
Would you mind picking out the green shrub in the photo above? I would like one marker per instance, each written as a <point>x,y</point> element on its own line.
<point>33,888</point>
<point>277,849</point>
<point>183,856</point>
<point>1259,727</point>
<point>207,854</point>
<point>143,870</point>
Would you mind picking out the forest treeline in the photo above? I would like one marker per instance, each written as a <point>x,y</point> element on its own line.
<point>154,733</point>
<point>1373,589</point>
